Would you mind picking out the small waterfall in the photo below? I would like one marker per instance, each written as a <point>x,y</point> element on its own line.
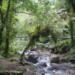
<point>43,65</point>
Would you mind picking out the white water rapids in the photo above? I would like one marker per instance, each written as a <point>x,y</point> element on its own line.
<point>43,66</point>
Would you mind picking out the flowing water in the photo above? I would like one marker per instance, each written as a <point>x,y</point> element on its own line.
<point>43,66</point>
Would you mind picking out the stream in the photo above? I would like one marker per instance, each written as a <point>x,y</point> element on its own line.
<point>43,66</point>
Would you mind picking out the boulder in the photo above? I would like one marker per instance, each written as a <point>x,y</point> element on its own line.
<point>32,58</point>
<point>58,59</point>
<point>55,60</point>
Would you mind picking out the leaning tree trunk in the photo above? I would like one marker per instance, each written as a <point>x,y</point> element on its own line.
<point>31,43</point>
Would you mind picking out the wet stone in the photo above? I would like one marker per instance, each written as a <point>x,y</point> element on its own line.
<point>32,59</point>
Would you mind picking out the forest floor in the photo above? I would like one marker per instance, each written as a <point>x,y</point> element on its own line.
<point>11,66</point>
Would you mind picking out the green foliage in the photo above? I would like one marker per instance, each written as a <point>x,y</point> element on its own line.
<point>27,18</point>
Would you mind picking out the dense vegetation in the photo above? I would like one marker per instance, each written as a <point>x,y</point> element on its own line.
<point>26,24</point>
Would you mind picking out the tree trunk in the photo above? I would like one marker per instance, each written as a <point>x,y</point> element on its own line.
<point>7,43</point>
<point>7,30</point>
<point>71,32</point>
